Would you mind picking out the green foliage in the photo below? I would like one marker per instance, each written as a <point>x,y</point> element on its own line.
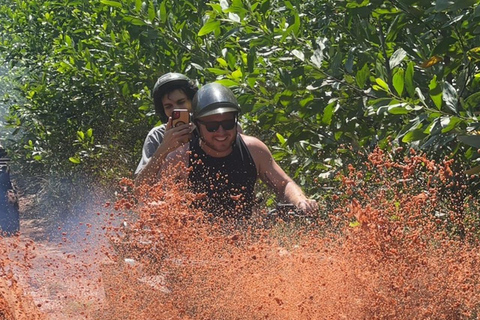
<point>319,81</point>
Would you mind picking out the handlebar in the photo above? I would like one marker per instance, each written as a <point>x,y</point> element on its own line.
<point>288,212</point>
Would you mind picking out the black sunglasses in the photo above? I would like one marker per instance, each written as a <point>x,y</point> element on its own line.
<point>213,126</point>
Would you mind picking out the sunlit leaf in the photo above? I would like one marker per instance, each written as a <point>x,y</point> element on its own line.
<point>210,26</point>
<point>163,12</point>
<point>299,54</point>
<point>398,81</point>
<point>420,94</point>
<point>397,57</point>
<point>74,160</point>
<point>111,3</point>
<point>449,125</point>
<point>450,96</point>
<point>227,82</point>
<point>398,110</point>
<point>237,74</point>
<point>317,58</point>
<point>354,224</point>
<point>280,138</point>
<point>382,84</point>
<point>474,54</point>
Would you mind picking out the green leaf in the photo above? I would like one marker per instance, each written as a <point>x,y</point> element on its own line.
<point>328,113</point>
<point>138,5</point>
<point>472,140</point>
<point>111,3</point>
<point>354,224</point>
<point>409,79</point>
<point>362,76</point>
<point>151,11</point>
<point>414,135</point>
<point>435,92</point>
<point>237,74</point>
<point>398,81</point>
<point>280,138</point>
<point>135,21</point>
<point>449,123</point>
<point>382,84</point>
<point>227,82</point>
<point>474,54</point>
<point>398,110</point>
<point>217,71</point>
<point>473,100</point>
<point>75,160</point>
<point>211,26</point>
<point>162,12</point>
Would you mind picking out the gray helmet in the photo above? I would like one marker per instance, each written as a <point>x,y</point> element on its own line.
<point>213,98</point>
<point>167,83</point>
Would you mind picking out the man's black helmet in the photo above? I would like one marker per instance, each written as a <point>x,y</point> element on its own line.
<point>214,98</point>
<point>168,83</point>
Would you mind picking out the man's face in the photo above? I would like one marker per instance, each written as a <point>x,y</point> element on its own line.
<point>176,99</point>
<point>218,132</point>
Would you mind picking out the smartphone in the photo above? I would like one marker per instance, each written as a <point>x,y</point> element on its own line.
<point>180,116</point>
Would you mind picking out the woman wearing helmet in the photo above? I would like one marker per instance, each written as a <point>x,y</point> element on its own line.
<point>223,164</point>
<point>171,91</point>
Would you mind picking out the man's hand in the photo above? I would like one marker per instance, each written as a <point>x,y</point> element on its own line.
<point>176,136</point>
<point>309,206</point>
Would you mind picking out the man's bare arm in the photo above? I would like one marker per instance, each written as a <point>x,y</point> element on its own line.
<point>274,176</point>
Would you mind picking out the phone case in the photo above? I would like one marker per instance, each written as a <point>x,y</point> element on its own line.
<point>180,116</point>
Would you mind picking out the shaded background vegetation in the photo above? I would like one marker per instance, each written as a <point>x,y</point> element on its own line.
<point>322,82</point>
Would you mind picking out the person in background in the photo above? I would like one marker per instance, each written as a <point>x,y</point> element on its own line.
<point>9,209</point>
<point>171,91</point>
<point>221,165</point>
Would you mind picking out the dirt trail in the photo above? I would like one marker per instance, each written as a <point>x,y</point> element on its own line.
<point>14,303</point>
<point>50,277</point>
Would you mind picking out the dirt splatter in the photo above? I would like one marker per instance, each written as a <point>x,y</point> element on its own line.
<point>388,245</point>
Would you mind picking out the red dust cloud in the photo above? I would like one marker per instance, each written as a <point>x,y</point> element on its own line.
<point>390,243</point>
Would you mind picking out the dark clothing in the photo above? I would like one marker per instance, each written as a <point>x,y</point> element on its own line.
<point>9,215</point>
<point>228,183</point>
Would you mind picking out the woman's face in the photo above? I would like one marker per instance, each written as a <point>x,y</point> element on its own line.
<point>176,99</point>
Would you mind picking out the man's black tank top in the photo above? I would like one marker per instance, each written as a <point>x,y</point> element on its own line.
<point>228,183</point>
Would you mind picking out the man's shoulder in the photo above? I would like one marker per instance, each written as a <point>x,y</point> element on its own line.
<point>156,134</point>
<point>158,130</point>
<point>252,142</point>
